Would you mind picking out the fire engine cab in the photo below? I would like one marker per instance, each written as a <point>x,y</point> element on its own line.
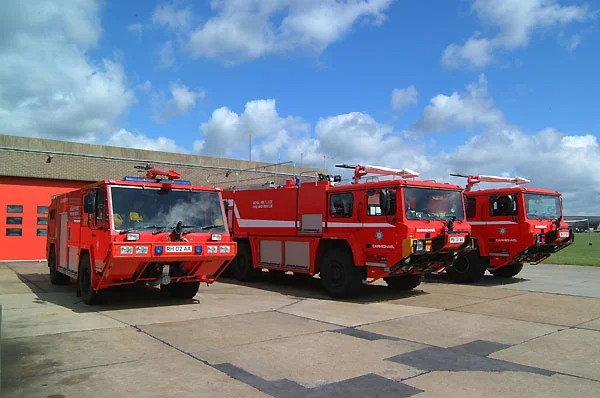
<point>512,226</point>
<point>138,230</point>
<point>396,229</point>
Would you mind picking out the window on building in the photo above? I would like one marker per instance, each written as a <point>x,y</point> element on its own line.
<point>42,221</point>
<point>14,220</point>
<point>502,206</point>
<point>42,232</point>
<point>471,207</point>
<point>14,232</point>
<point>14,208</point>
<point>341,205</point>
<point>42,209</point>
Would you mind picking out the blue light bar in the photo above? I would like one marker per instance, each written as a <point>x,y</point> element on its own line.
<point>158,249</point>
<point>198,249</point>
<point>136,179</point>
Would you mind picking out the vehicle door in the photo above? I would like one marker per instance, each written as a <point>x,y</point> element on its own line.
<point>378,233</point>
<point>502,227</point>
<point>96,229</point>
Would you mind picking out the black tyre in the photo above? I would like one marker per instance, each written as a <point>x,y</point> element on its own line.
<point>185,290</point>
<point>243,270</point>
<point>84,281</point>
<point>403,282</point>
<point>467,269</point>
<point>339,276</point>
<point>56,278</point>
<point>227,272</point>
<point>508,271</point>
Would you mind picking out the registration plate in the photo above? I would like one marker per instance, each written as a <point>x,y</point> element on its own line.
<point>178,249</point>
<point>564,234</point>
<point>457,239</point>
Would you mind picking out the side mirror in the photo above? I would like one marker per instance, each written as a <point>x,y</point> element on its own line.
<point>384,202</point>
<point>89,202</point>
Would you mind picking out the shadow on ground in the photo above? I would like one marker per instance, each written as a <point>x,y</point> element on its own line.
<point>115,298</point>
<point>304,287</point>
<point>487,280</point>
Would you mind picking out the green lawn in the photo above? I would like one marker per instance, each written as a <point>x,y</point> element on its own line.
<point>580,252</point>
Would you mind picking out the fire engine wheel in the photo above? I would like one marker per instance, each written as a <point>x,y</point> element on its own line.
<point>56,278</point>
<point>403,282</point>
<point>185,290</point>
<point>467,269</point>
<point>508,271</point>
<point>339,276</point>
<point>84,280</point>
<point>243,270</point>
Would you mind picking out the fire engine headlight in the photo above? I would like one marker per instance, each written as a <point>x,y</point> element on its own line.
<point>418,245</point>
<point>225,249</point>
<point>198,249</point>
<point>141,250</point>
<point>158,249</point>
<point>126,250</point>
<point>212,249</point>
<point>133,236</point>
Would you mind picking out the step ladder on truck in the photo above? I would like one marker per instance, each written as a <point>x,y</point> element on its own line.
<point>513,226</point>
<point>396,229</point>
<point>155,229</point>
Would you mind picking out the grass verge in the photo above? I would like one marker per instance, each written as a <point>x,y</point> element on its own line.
<point>580,252</point>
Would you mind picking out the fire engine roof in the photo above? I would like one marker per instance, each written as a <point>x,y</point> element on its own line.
<point>511,190</point>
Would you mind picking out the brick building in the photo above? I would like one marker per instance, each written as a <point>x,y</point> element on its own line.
<point>33,169</point>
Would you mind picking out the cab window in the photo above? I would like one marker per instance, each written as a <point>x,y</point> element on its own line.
<point>471,204</point>
<point>503,205</point>
<point>373,205</point>
<point>341,205</point>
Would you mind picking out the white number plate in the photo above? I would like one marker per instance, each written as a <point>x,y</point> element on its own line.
<point>178,249</point>
<point>564,234</point>
<point>457,239</point>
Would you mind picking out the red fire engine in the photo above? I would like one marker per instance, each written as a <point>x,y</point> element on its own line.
<point>395,229</point>
<point>512,226</point>
<point>138,230</point>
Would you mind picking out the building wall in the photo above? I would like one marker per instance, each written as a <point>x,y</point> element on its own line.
<point>34,169</point>
<point>23,215</point>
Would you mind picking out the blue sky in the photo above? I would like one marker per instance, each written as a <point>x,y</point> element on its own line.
<point>473,86</point>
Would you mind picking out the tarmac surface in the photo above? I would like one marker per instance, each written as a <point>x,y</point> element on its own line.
<point>284,337</point>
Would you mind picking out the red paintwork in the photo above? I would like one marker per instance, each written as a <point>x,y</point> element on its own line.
<point>109,266</point>
<point>275,215</point>
<point>512,239</point>
<point>30,193</point>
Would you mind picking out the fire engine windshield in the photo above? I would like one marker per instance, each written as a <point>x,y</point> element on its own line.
<point>432,204</point>
<point>154,209</point>
<point>545,207</point>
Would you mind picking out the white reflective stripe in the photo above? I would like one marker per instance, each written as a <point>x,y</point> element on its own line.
<point>235,210</point>
<point>491,222</point>
<point>358,224</point>
<point>376,264</point>
<point>266,224</point>
<point>499,254</point>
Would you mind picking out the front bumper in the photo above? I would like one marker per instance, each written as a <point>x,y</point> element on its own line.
<point>545,244</point>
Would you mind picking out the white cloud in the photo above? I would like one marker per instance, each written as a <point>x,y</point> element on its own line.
<point>461,110</point>
<point>228,134</point>
<point>137,28</point>
<point>166,55</point>
<point>124,138</point>
<point>146,86</point>
<point>402,98</point>
<point>50,87</point>
<point>244,30</point>
<point>574,42</point>
<point>171,17</point>
<point>182,100</point>
<point>515,21</point>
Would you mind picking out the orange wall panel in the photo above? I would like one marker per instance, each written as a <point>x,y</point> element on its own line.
<point>28,193</point>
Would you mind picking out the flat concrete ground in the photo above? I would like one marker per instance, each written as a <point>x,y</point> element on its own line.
<point>283,337</point>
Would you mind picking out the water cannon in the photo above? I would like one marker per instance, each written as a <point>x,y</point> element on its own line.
<point>361,171</point>
<point>154,172</point>
<point>476,179</point>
